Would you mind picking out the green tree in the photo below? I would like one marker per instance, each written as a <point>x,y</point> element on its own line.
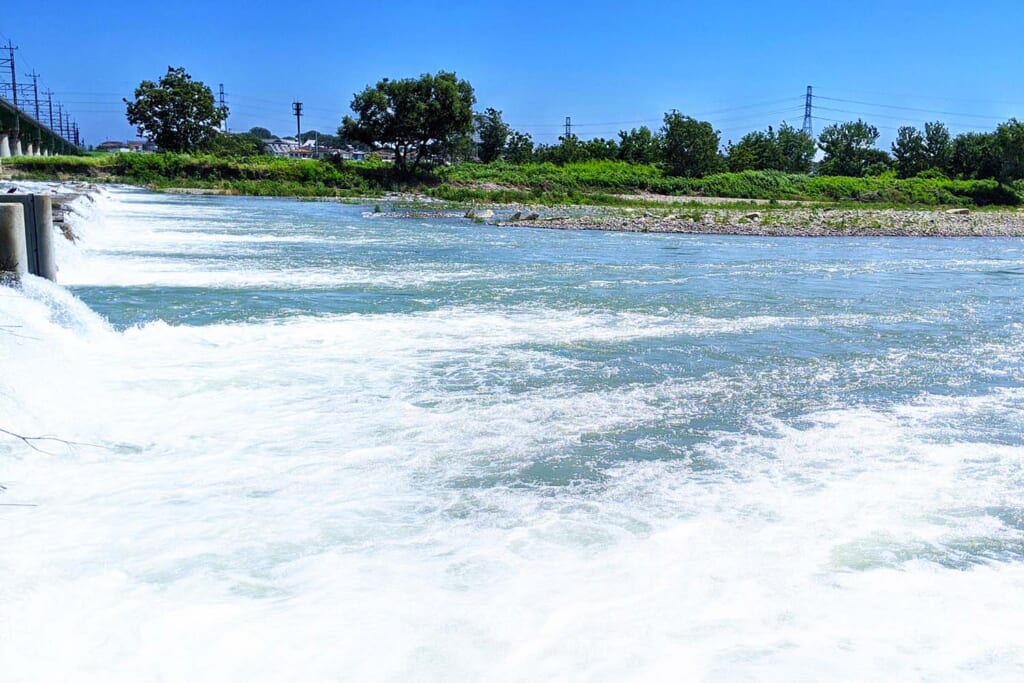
<point>937,145</point>
<point>236,145</point>
<point>639,146</point>
<point>600,149</point>
<point>797,149</point>
<point>413,116</point>
<point>458,149</point>
<point>569,150</point>
<point>976,155</point>
<point>1010,138</point>
<point>177,113</point>
<point>849,149</point>
<point>519,148</point>
<point>756,151</point>
<point>493,134</point>
<point>910,152</point>
<point>690,147</point>
<point>261,133</point>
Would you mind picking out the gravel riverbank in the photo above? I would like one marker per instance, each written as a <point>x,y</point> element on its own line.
<point>810,222</point>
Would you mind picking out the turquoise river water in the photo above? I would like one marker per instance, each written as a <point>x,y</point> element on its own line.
<point>313,443</point>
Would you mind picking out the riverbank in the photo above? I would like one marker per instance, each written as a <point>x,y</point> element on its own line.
<point>707,216</point>
<point>790,222</point>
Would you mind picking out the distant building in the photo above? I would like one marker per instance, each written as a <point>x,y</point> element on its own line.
<point>310,149</point>
<point>281,147</point>
<point>130,146</point>
<point>113,146</point>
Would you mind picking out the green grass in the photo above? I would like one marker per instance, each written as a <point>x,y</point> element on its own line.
<point>594,183</point>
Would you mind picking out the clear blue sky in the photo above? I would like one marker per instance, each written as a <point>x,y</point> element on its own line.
<point>741,65</point>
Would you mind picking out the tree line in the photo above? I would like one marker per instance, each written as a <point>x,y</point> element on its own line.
<point>431,119</point>
<point>683,145</point>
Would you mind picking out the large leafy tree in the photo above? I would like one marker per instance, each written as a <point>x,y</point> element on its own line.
<point>690,147</point>
<point>937,145</point>
<point>519,148</point>
<point>797,149</point>
<point>910,152</point>
<point>177,113</point>
<point>237,146</point>
<point>849,149</point>
<point>638,146</point>
<point>600,149</point>
<point>493,132</point>
<point>976,155</point>
<point>413,116</point>
<point>1010,137</point>
<point>786,149</point>
<point>756,151</point>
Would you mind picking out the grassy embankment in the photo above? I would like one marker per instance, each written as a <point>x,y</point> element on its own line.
<point>602,183</point>
<point>506,183</point>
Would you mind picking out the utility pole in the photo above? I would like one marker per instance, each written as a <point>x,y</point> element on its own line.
<point>60,119</point>
<point>35,90</point>
<point>14,73</point>
<point>75,126</point>
<point>808,128</point>
<point>14,91</point>
<point>49,102</point>
<point>297,109</point>
<point>568,127</point>
<point>224,107</point>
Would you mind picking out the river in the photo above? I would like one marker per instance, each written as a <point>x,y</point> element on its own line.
<point>316,443</point>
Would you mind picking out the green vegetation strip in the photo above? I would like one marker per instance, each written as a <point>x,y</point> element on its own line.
<point>593,182</point>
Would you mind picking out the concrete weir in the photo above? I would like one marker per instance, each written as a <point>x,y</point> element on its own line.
<point>26,236</point>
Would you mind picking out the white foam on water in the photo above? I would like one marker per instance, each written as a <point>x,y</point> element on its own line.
<point>316,498</point>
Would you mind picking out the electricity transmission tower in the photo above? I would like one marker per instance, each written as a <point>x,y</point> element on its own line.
<point>223,106</point>
<point>808,127</point>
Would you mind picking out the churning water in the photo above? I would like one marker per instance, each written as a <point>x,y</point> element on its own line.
<point>315,444</point>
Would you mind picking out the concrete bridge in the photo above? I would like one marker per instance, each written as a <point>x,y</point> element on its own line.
<point>22,135</point>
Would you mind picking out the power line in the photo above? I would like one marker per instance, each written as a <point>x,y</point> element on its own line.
<point>875,115</point>
<point>915,109</point>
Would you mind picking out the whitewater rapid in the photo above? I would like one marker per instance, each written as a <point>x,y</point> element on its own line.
<point>310,444</point>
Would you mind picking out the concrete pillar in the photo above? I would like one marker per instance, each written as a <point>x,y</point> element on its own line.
<point>5,145</point>
<point>45,264</point>
<point>13,257</point>
<point>30,151</point>
<point>37,228</point>
<point>16,152</point>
